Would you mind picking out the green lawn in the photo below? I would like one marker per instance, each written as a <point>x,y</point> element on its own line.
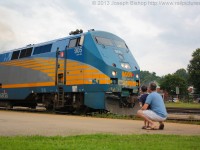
<point>101,142</point>
<point>182,105</point>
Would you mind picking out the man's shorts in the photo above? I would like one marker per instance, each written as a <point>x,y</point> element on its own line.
<point>153,116</point>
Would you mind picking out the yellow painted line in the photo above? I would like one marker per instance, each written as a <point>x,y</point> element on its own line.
<point>51,74</point>
<point>70,63</point>
<point>24,62</point>
<point>130,83</point>
<point>77,72</point>
<point>75,77</point>
<point>80,67</point>
<point>39,68</point>
<point>91,71</point>
<point>88,76</point>
<point>75,82</point>
<point>87,82</point>
<point>96,76</point>
<point>104,76</point>
<point>36,84</point>
<point>43,67</point>
<point>49,71</point>
<point>104,81</point>
<point>27,63</point>
<point>13,62</point>
<point>74,72</point>
<point>39,64</point>
<point>51,62</point>
<point>32,66</point>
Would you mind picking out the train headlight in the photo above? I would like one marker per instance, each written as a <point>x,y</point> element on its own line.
<point>137,76</point>
<point>125,65</point>
<point>114,73</point>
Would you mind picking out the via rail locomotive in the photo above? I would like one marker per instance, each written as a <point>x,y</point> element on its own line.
<point>94,70</point>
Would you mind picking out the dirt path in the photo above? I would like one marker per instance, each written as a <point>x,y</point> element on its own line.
<point>23,123</point>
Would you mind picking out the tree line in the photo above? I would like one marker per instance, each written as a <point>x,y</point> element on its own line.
<point>182,78</point>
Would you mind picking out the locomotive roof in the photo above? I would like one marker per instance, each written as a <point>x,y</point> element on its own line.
<point>60,39</point>
<point>39,44</point>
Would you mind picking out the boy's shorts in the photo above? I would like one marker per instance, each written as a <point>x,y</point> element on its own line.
<point>153,116</point>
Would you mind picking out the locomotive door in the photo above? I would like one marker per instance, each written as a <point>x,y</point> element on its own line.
<point>75,69</point>
<point>60,68</point>
<point>59,79</point>
<point>69,72</point>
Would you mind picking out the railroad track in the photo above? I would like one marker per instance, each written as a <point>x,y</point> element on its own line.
<point>25,109</point>
<point>183,114</point>
<point>39,109</point>
<point>183,110</point>
<point>175,114</point>
<point>169,110</point>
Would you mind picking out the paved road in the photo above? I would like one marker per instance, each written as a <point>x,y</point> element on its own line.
<point>24,123</point>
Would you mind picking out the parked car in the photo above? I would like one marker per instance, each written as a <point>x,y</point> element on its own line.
<point>175,100</point>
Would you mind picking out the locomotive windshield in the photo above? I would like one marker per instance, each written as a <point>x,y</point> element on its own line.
<point>110,42</point>
<point>104,41</point>
<point>120,44</point>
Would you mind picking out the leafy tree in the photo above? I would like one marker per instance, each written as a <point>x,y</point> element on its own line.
<point>170,82</point>
<point>182,73</point>
<point>146,77</point>
<point>194,70</point>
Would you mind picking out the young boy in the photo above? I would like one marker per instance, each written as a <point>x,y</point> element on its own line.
<point>142,101</point>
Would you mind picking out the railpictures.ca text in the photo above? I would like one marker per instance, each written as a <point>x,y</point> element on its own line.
<point>144,3</point>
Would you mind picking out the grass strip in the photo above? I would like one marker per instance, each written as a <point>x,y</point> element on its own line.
<point>182,105</point>
<point>101,142</point>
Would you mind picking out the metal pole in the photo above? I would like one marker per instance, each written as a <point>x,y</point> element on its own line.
<point>56,78</point>
<point>65,64</point>
<point>56,68</point>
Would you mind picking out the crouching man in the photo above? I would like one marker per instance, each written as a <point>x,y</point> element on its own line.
<point>157,111</point>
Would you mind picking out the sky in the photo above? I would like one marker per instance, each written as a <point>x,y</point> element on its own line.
<point>161,34</point>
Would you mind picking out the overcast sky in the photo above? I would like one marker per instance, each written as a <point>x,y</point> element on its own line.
<point>161,36</point>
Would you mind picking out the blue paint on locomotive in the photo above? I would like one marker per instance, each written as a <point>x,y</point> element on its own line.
<point>95,100</point>
<point>103,57</point>
<point>106,58</point>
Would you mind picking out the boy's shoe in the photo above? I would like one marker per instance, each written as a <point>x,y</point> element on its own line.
<point>161,127</point>
<point>144,127</point>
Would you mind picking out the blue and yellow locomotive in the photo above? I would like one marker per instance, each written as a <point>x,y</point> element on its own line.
<point>94,69</point>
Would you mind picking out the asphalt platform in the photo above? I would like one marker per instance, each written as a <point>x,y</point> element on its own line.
<point>14,123</point>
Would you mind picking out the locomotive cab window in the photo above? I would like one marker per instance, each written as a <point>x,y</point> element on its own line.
<point>121,44</point>
<point>104,41</point>
<point>74,42</point>
<point>15,55</point>
<point>42,49</point>
<point>26,52</point>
